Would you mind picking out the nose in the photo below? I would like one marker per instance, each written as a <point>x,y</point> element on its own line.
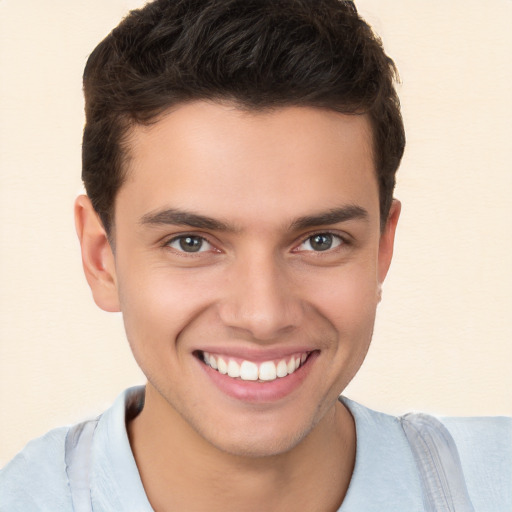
<point>261,298</point>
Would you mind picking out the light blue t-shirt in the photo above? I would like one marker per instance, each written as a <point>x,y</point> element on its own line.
<point>385,477</point>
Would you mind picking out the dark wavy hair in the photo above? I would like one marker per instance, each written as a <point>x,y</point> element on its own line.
<point>259,54</point>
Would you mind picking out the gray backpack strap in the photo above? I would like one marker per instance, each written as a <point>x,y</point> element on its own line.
<point>78,464</point>
<point>438,461</point>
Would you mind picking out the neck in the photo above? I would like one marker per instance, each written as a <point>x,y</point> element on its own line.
<point>180,470</point>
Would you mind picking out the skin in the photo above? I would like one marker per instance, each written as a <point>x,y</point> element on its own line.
<point>258,286</point>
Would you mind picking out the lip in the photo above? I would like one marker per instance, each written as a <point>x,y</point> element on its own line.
<point>260,392</point>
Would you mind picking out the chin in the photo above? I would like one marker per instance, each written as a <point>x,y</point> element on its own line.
<point>259,446</point>
<point>259,437</point>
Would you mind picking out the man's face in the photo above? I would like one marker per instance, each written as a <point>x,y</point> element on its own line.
<point>251,240</point>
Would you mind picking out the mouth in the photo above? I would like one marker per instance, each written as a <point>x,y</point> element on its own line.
<point>247,370</point>
<point>260,380</point>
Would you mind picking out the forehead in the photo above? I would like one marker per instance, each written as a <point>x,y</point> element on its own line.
<point>230,162</point>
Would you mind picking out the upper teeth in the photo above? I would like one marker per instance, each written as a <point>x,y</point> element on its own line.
<point>248,370</point>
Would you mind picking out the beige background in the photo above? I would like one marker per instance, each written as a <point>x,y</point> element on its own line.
<point>443,335</point>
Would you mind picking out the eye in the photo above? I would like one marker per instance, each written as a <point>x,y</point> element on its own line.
<point>321,242</point>
<point>190,244</point>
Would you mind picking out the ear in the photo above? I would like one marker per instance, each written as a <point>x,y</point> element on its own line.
<point>97,256</point>
<point>387,240</point>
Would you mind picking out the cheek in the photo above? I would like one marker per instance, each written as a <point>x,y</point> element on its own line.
<point>158,304</point>
<point>350,305</point>
<point>347,296</point>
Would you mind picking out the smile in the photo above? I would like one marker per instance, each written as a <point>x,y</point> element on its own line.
<point>251,371</point>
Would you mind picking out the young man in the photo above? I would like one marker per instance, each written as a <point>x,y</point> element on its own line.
<point>239,159</point>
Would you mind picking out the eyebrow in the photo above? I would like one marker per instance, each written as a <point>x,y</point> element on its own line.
<point>173,216</point>
<point>333,216</point>
<point>184,218</point>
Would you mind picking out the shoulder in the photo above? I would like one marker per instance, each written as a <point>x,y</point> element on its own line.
<point>485,449</point>
<point>36,478</point>
<point>484,446</point>
<point>492,433</point>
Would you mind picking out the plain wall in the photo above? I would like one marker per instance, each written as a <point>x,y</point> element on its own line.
<point>443,336</point>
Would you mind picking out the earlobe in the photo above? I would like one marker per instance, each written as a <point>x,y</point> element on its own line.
<point>387,240</point>
<point>97,256</point>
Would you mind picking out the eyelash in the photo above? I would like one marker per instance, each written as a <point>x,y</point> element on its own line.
<point>342,241</point>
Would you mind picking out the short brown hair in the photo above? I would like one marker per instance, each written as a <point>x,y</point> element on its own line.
<point>259,54</point>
